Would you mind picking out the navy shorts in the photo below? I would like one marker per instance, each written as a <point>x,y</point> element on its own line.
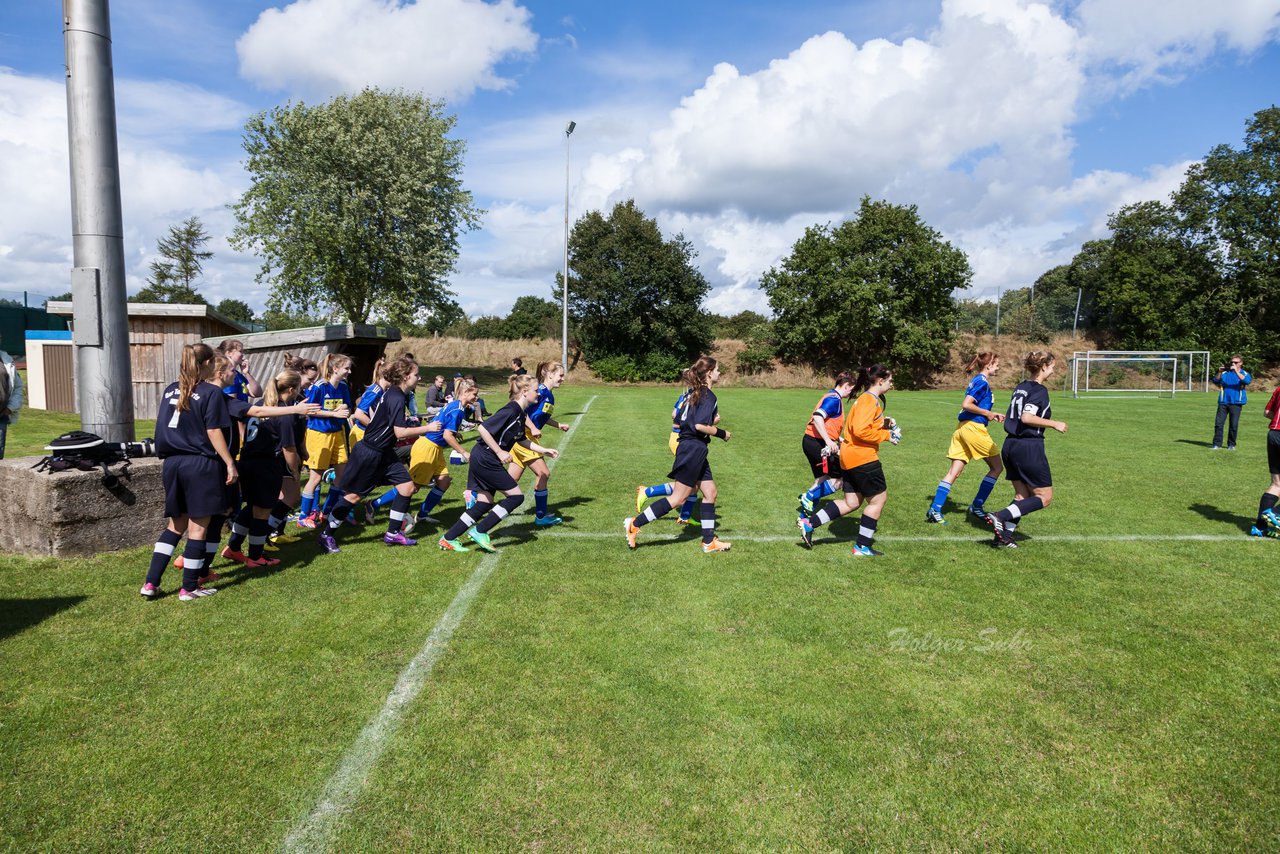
<point>821,466</point>
<point>194,485</point>
<point>1273,451</point>
<point>1025,460</point>
<point>867,480</point>
<point>368,468</point>
<point>485,472</point>
<point>691,467</point>
<point>260,480</point>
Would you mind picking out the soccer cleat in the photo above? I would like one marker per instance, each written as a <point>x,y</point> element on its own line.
<point>1231,447</point>
<point>468,498</point>
<point>233,555</point>
<point>1255,531</point>
<point>1273,521</point>
<point>998,543</point>
<point>481,539</point>
<point>285,538</point>
<point>328,543</point>
<point>683,520</point>
<point>806,503</point>
<point>547,521</point>
<point>397,538</point>
<point>308,521</point>
<point>631,531</point>
<point>716,545</point>
<point>1215,448</point>
<point>865,551</point>
<point>258,563</point>
<point>1002,538</point>
<point>330,475</point>
<point>978,510</point>
<point>208,578</point>
<point>185,595</point>
<point>370,513</point>
<point>150,591</point>
<point>935,517</point>
<point>806,531</point>
<point>640,497</point>
<point>451,546</point>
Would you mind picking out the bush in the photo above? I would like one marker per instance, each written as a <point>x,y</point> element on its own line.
<point>615,369</point>
<point>757,356</point>
<point>653,367</point>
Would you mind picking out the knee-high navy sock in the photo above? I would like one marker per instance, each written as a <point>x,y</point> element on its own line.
<point>505,507</point>
<point>331,500</point>
<point>656,510</point>
<point>829,513</point>
<point>866,530</point>
<point>338,515</point>
<point>279,513</point>
<point>212,537</point>
<point>240,528</point>
<point>399,510</point>
<point>708,521</point>
<point>1268,502</point>
<point>257,537</point>
<point>540,502</point>
<point>1020,508</point>
<point>467,519</point>
<point>162,554</point>
<point>192,564</point>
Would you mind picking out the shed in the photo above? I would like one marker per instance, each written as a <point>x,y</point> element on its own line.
<point>364,343</point>
<point>157,334</point>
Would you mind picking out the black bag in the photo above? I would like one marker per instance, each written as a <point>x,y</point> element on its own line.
<point>85,452</point>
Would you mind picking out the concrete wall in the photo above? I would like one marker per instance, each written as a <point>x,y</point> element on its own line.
<point>72,513</point>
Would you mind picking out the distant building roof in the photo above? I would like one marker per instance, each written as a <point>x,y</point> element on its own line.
<point>160,309</point>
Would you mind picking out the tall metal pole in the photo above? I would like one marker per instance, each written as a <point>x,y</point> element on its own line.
<point>998,297</point>
<point>104,383</point>
<point>564,332</point>
<point>1076,320</point>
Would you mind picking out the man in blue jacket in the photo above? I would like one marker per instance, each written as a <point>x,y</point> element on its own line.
<point>1232,380</point>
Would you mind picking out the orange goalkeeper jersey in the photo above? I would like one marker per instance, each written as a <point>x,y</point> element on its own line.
<point>863,432</point>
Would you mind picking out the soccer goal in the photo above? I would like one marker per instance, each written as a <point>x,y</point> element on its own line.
<point>1122,373</point>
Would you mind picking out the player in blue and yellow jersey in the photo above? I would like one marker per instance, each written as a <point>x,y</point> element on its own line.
<point>971,441</point>
<point>1026,465</point>
<point>326,440</point>
<point>243,386</point>
<point>538,415</point>
<point>821,442</point>
<point>659,490</point>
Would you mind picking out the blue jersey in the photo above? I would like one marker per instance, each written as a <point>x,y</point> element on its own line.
<point>980,390</point>
<point>239,388</point>
<point>330,398</point>
<point>540,410</point>
<point>451,417</point>
<point>370,397</point>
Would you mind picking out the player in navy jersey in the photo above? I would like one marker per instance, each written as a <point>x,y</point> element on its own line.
<point>1025,463</point>
<point>191,439</point>
<point>429,456</point>
<point>691,471</point>
<point>660,489</point>
<point>374,460</point>
<point>368,399</point>
<point>971,441</point>
<point>538,415</point>
<point>242,386</point>
<point>487,473</point>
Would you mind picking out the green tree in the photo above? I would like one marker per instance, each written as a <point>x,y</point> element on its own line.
<point>174,274</point>
<point>487,326</point>
<point>876,288</point>
<point>235,309</point>
<point>533,317</point>
<point>633,294</point>
<point>739,326</point>
<point>355,205</point>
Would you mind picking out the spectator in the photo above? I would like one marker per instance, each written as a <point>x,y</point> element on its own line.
<point>10,396</point>
<point>517,367</point>
<point>436,397</point>
<point>1232,379</point>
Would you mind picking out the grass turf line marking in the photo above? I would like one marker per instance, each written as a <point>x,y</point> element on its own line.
<point>315,831</point>
<point>890,538</point>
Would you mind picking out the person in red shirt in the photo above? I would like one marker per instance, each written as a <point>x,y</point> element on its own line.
<point>1268,524</point>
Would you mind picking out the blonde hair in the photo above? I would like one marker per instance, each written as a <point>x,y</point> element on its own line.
<point>333,362</point>
<point>461,386</point>
<point>280,384</point>
<point>197,360</point>
<point>220,363</point>
<point>546,369</point>
<point>519,384</point>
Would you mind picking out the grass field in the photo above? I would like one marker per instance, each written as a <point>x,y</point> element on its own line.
<point>1112,684</point>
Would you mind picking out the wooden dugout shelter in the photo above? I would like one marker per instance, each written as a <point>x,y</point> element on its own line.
<point>364,343</point>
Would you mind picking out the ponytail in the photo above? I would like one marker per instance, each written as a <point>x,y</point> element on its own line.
<point>1036,362</point>
<point>517,384</point>
<point>546,369</point>
<point>195,367</point>
<point>695,376</point>
<point>279,387</point>
<point>979,362</point>
<point>331,363</point>
<point>869,376</point>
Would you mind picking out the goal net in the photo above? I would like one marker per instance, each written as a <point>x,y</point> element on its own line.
<point>1139,372</point>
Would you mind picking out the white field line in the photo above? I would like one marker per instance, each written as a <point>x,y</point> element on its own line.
<point>890,538</point>
<point>314,832</point>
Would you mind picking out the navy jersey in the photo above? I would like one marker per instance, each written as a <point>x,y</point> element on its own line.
<point>675,423</point>
<point>1031,398</point>
<point>186,432</point>
<point>451,419</point>
<point>703,412</point>
<point>239,388</point>
<point>540,410</point>
<point>980,390</point>
<point>329,397</point>
<point>387,414</point>
<point>291,432</point>
<point>239,411</point>
<point>262,438</point>
<point>506,426</point>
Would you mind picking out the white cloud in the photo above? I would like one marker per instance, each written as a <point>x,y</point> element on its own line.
<point>447,48</point>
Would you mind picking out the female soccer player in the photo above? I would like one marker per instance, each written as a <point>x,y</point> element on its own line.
<point>191,438</point>
<point>865,428</point>
<point>1025,463</point>
<point>429,457</point>
<point>374,461</point>
<point>368,399</point>
<point>243,386</point>
<point>691,470</point>
<point>326,440</point>
<point>486,473</point>
<point>821,442</point>
<point>971,441</point>
<point>550,375</point>
<point>1268,524</point>
<point>660,489</point>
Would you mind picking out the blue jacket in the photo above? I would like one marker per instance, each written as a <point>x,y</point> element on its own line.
<point>1233,388</point>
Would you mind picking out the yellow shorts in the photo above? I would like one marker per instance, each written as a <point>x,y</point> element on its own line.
<point>427,460</point>
<point>522,456</point>
<point>356,434</point>
<point>326,450</point>
<point>970,442</point>
<point>673,441</point>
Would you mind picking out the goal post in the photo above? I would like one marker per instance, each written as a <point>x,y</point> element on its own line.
<point>1123,373</point>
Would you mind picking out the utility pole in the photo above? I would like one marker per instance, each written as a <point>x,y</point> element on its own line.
<point>104,382</point>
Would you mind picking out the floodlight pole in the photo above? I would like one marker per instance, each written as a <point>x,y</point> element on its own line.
<point>104,384</point>
<point>564,330</point>
<point>1076,320</point>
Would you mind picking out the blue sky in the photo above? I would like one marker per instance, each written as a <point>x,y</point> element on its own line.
<point>1016,127</point>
